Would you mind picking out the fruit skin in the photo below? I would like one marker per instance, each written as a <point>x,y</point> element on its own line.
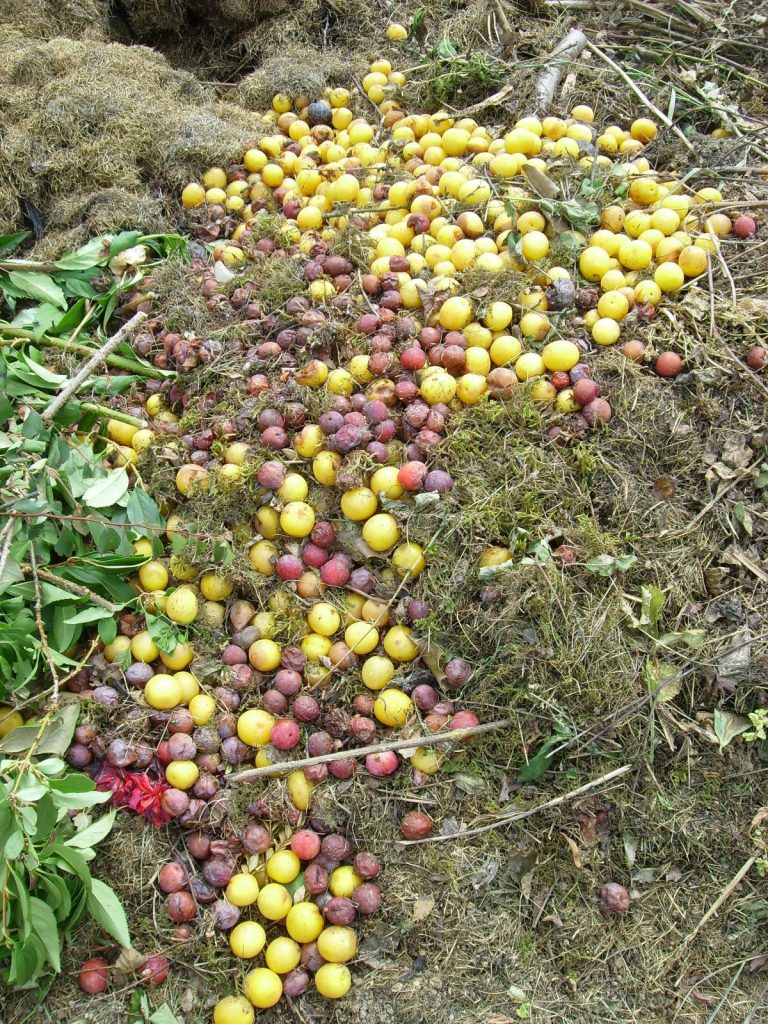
<point>337,944</point>
<point>333,980</point>
<point>233,1010</point>
<point>247,939</point>
<point>263,987</point>
<point>668,364</point>
<point>94,976</point>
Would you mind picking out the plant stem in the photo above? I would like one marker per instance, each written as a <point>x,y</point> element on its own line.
<point>46,341</point>
<point>437,739</point>
<point>97,358</point>
<point>113,414</point>
<point>73,588</point>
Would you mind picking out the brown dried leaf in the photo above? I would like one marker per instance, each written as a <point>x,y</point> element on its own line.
<point>664,488</point>
<point>574,849</point>
<point>130,961</point>
<point>423,907</point>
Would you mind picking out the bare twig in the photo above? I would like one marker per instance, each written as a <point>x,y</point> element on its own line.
<point>96,359</point>
<point>432,740</point>
<point>506,817</point>
<point>73,588</point>
<point>568,49</point>
<point>639,93</point>
<point>41,627</point>
<point>724,895</point>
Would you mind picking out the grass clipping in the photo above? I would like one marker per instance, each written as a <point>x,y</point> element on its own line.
<point>101,136</point>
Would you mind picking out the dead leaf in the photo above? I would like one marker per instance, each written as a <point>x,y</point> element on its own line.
<point>486,873</point>
<point>423,907</point>
<point>701,998</point>
<point>433,657</point>
<point>189,1000</point>
<point>574,849</point>
<point>540,183</point>
<point>630,851</point>
<point>130,961</point>
<point>757,963</point>
<point>377,950</point>
<point>664,488</point>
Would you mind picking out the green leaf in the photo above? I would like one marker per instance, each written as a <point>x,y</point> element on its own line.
<point>107,491</point>
<point>93,613</point>
<point>70,320</point>
<point>87,256</point>
<point>37,286</point>
<point>76,792</point>
<point>26,961</point>
<point>652,603</point>
<point>141,510</point>
<point>106,909</point>
<point>93,833</point>
<point>55,739</point>
<point>11,574</point>
<point>607,565</point>
<point>727,726</point>
<point>10,242</point>
<point>107,630</point>
<point>14,844</point>
<point>163,1015</point>
<point>446,48</point>
<point>163,632</point>
<point>122,241</point>
<point>72,861</point>
<point>541,760</point>
<point>45,927</point>
<point>742,517</point>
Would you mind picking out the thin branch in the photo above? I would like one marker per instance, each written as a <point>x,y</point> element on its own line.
<point>438,739</point>
<point>41,627</point>
<point>724,895</point>
<point>18,335</point>
<point>639,93</point>
<point>73,588</point>
<point>506,818</point>
<point>96,359</point>
<point>567,50</point>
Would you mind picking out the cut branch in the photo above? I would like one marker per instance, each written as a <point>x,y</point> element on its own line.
<point>96,359</point>
<point>568,49</point>
<point>438,739</point>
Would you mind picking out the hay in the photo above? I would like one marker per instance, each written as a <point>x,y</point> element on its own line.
<point>302,69</point>
<point>43,19</point>
<point>142,130</point>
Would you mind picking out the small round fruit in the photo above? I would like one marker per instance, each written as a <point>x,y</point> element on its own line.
<point>668,364</point>
<point>263,987</point>
<point>392,707</point>
<point>247,939</point>
<point>233,1010</point>
<point>254,727</point>
<point>94,976</point>
<point>377,672</point>
<point>333,980</point>
<point>560,355</point>
<point>242,890</point>
<point>304,922</point>
<point>337,944</point>
<point>182,774</point>
<point>274,901</point>
<point>181,606</point>
<point>283,866</point>
<point>344,880</point>
<point>361,637</point>
<point>297,519</point>
<point>153,576</point>
<point>381,532</point>
<point>282,955</point>
<point>399,644</point>
<point>163,692</point>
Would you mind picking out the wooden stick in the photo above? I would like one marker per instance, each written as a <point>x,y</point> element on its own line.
<point>568,49</point>
<point>285,767</point>
<point>504,819</point>
<point>639,93</point>
<point>96,359</point>
<point>724,895</point>
<point>18,335</point>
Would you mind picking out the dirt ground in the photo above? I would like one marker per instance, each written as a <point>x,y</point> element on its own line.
<point>106,109</point>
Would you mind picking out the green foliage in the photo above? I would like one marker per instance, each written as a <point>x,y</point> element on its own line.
<point>84,286</point>
<point>69,515</point>
<point>48,835</point>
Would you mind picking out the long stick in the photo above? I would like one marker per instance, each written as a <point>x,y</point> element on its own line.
<point>727,891</point>
<point>17,335</point>
<point>568,49</point>
<point>113,414</point>
<point>639,93</point>
<point>96,359</point>
<point>285,767</point>
<point>504,819</point>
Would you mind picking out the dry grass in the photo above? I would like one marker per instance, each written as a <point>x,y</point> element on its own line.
<point>492,927</point>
